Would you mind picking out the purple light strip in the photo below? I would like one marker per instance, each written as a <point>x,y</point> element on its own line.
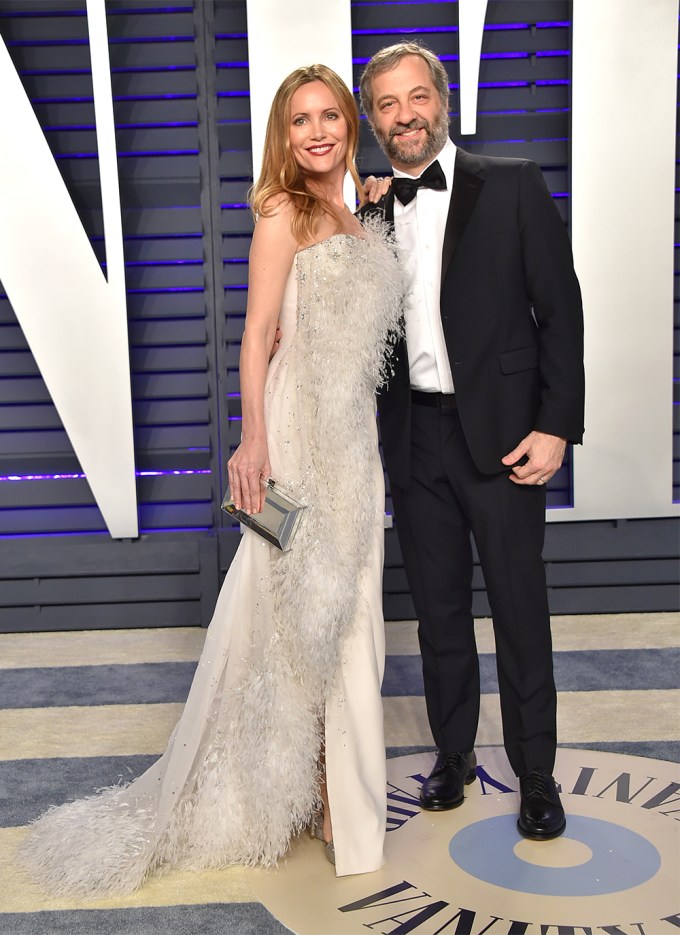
<point>357,3</point>
<point>143,531</point>
<point>133,70</point>
<point>35,14</point>
<point>125,155</point>
<point>147,40</point>
<point>503,84</point>
<point>113,40</point>
<point>121,126</point>
<point>494,56</point>
<point>62,100</point>
<point>80,476</point>
<point>161,263</point>
<point>190,236</point>
<point>117,98</point>
<point>490,27</point>
<point>166,291</point>
<point>522,110</point>
<point>41,14</point>
<point>156,9</point>
<point>406,31</point>
<point>47,72</point>
<point>155,97</point>
<point>37,72</point>
<point>155,126</point>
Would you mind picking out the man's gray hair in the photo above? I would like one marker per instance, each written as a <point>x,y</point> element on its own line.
<point>388,58</point>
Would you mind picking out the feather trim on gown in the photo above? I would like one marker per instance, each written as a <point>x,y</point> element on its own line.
<point>239,778</point>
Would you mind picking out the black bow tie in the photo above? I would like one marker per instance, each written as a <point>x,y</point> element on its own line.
<point>433,177</point>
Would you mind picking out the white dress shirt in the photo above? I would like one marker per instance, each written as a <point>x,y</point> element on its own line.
<point>419,230</point>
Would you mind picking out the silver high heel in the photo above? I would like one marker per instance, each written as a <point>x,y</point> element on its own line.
<point>316,831</point>
<point>330,852</point>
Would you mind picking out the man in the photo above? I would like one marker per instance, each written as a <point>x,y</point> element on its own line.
<point>487,388</point>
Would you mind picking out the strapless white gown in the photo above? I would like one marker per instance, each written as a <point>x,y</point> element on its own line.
<point>293,658</point>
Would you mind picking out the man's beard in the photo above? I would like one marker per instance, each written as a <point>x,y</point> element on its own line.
<point>406,155</point>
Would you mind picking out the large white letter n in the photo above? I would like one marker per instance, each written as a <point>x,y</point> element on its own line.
<point>74,320</point>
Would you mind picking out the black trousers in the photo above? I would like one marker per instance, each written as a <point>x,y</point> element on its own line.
<point>447,500</point>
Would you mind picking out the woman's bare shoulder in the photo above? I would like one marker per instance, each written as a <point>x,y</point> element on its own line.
<point>274,229</point>
<point>279,205</point>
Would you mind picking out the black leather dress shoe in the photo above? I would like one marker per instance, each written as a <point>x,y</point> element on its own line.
<point>443,788</point>
<point>541,816</point>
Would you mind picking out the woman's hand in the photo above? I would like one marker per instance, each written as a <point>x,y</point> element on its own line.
<point>375,188</point>
<point>277,340</point>
<point>248,467</point>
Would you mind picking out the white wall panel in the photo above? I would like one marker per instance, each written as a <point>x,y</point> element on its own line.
<point>285,36</point>
<point>74,320</point>
<point>623,160</point>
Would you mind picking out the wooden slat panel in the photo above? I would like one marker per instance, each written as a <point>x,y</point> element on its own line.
<point>171,412</point>
<point>31,390</point>
<point>167,358</point>
<point>12,338</point>
<point>25,418</point>
<point>143,141</point>
<point>102,616</point>
<point>169,386</point>
<point>77,170</point>
<point>151,221</point>
<point>170,332</point>
<point>98,555</point>
<point>176,437</point>
<point>623,572</point>
<point>157,84</point>
<point>75,491</point>
<point>45,592</point>
<point>615,600</point>
<point>165,305</point>
<point>34,442</point>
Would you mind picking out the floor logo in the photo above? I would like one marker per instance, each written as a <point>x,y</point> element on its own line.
<point>469,872</point>
<point>618,858</point>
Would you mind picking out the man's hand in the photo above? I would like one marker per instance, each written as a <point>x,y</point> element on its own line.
<point>376,188</point>
<point>545,454</point>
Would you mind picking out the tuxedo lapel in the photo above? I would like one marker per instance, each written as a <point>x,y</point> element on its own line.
<point>467,186</point>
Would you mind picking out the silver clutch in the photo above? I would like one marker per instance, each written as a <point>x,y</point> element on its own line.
<point>278,520</point>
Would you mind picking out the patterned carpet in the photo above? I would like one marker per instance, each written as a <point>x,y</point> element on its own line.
<point>85,709</point>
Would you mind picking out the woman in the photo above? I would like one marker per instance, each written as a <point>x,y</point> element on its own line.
<point>283,724</point>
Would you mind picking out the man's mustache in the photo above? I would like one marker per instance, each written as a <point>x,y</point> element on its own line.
<point>413,125</point>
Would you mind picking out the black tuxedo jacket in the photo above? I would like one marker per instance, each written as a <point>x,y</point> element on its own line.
<point>511,312</point>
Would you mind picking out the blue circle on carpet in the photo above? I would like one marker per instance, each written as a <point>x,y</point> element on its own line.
<point>621,858</point>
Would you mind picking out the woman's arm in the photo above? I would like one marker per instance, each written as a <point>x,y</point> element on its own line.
<point>271,256</point>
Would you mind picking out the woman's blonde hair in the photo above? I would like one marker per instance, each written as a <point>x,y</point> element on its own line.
<point>281,175</point>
